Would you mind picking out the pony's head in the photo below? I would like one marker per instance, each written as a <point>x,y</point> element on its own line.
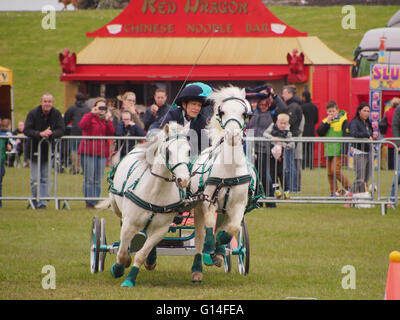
<point>231,113</point>
<point>174,153</point>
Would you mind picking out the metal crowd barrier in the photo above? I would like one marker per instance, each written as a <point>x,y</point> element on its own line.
<point>310,184</point>
<point>65,178</point>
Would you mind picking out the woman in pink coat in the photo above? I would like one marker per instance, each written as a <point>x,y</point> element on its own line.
<point>94,152</point>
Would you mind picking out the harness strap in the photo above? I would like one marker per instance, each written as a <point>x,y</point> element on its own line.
<point>152,207</point>
<point>225,182</point>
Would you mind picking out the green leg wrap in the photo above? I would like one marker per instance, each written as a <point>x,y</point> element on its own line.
<point>130,280</point>
<point>222,240</point>
<point>117,270</point>
<point>152,257</point>
<point>209,244</point>
<point>197,266</point>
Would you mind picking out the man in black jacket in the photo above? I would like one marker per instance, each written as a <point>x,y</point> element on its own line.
<point>72,117</point>
<point>296,114</point>
<point>42,123</point>
<point>311,116</point>
<point>157,110</point>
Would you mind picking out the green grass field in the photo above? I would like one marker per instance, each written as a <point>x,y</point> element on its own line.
<point>296,251</point>
<point>32,52</point>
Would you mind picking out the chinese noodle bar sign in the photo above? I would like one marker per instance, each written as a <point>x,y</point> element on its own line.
<point>195,18</point>
<point>385,77</point>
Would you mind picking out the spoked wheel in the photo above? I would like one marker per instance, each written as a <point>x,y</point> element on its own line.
<point>243,249</point>
<point>103,243</point>
<point>95,245</point>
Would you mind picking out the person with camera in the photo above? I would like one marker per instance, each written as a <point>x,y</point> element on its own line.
<point>94,152</point>
<point>127,127</point>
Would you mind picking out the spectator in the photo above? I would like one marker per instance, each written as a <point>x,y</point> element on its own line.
<point>361,127</point>
<point>4,147</point>
<point>6,128</point>
<point>311,117</point>
<point>128,103</point>
<point>72,117</point>
<point>335,125</point>
<point>296,114</point>
<point>116,114</point>
<point>158,109</point>
<point>43,122</point>
<point>127,127</point>
<point>94,152</point>
<point>20,144</point>
<point>190,101</point>
<point>387,129</point>
<point>396,134</point>
<point>259,122</point>
<point>279,130</point>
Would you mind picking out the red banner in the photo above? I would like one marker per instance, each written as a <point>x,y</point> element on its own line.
<point>196,18</point>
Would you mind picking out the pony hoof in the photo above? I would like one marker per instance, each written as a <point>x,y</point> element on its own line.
<point>128,284</point>
<point>218,260</point>
<point>117,270</point>
<point>128,262</point>
<point>150,267</point>
<point>197,277</point>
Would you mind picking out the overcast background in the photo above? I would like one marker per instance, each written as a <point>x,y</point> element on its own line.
<point>30,5</point>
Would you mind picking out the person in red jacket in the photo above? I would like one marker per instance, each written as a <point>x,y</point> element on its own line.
<point>94,152</point>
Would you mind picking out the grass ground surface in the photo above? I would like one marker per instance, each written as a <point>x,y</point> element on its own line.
<point>32,52</point>
<point>296,251</point>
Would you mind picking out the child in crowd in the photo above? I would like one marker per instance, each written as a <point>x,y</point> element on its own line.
<point>279,130</point>
<point>335,125</point>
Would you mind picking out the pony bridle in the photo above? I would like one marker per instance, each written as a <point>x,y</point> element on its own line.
<point>170,168</point>
<point>246,114</point>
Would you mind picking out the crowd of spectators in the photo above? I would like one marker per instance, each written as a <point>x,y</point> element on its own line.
<point>276,115</point>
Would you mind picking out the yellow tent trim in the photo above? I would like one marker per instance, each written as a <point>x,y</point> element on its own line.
<point>217,51</point>
<point>6,76</point>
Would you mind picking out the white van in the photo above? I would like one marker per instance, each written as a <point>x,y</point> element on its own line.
<point>368,50</point>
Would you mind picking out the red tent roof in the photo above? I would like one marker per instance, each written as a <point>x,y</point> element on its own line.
<point>196,18</point>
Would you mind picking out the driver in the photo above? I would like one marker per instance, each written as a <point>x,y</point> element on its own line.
<point>190,102</point>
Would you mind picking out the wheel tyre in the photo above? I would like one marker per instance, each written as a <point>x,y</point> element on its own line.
<point>103,242</point>
<point>244,249</point>
<point>95,245</point>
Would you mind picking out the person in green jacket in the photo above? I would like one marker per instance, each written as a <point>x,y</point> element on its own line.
<point>335,125</point>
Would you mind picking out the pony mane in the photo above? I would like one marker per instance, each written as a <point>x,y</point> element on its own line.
<point>156,141</point>
<point>218,96</point>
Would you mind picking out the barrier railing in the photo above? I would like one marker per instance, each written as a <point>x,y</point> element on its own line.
<point>310,183</point>
<point>305,176</point>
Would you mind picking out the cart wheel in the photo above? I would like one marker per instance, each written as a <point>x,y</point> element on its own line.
<point>95,245</point>
<point>243,249</point>
<point>228,258</point>
<point>103,242</point>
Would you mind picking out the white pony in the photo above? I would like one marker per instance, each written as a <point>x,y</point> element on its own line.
<point>222,175</point>
<point>146,191</point>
